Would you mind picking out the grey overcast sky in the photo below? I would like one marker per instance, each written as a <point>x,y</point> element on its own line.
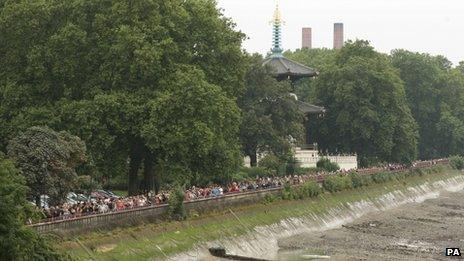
<point>432,26</point>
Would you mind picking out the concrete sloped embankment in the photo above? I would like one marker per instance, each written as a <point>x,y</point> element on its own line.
<point>298,233</point>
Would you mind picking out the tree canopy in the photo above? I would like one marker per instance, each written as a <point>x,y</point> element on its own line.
<point>320,59</point>
<point>48,161</point>
<point>270,114</point>
<point>97,69</point>
<point>367,112</point>
<point>18,242</point>
<point>435,93</point>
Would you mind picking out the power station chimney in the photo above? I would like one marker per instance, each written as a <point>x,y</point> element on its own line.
<point>338,35</point>
<point>306,38</point>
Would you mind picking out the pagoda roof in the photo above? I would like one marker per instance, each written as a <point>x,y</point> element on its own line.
<point>285,68</point>
<point>309,108</point>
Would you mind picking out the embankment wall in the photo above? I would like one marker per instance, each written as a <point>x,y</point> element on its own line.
<point>158,213</point>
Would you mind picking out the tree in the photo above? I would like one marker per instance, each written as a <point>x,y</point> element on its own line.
<point>271,163</point>
<point>327,165</point>
<point>460,67</point>
<point>270,114</point>
<point>367,112</point>
<point>435,94</point>
<point>320,59</point>
<point>48,161</point>
<point>95,67</point>
<point>18,242</point>
<point>194,126</point>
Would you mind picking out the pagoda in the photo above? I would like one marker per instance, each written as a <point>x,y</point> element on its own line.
<point>286,69</point>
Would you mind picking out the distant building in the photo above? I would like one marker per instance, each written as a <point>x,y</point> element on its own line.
<point>338,35</point>
<point>306,38</point>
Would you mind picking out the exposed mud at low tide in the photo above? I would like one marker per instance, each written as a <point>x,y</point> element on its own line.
<point>415,231</point>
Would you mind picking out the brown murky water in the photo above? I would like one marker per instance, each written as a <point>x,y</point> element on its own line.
<point>417,231</point>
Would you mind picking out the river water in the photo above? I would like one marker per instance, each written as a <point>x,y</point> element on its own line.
<point>414,224</point>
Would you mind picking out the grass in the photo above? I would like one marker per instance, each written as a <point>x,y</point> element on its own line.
<point>156,241</point>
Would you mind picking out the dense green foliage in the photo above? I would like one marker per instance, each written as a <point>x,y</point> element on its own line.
<point>382,177</point>
<point>310,189</point>
<point>435,93</point>
<point>457,162</point>
<point>327,165</point>
<point>86,184</point>
<point>336,183</point>
<point>358,181</point>
<point>112,72</point>
<point>270,114</point>
<point>320,59</point>
<point>176,208</point>
<point>271,163</point>
<point>366,94</point>
<point>368,109</point>
<point>48,161</point>
<point>18,242</point>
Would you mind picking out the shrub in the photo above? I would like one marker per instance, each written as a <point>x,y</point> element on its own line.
<point>337,183</point>
<point>399,176</point>
<point>457,162</point>
<point>367,180</point>
<point>86,183</point>
<point>310,189</point>
<point>327,165</point>
<point>291,166</point>
<point>288,193</point>
<point>416,172</point>
<point>240,176</point>
<point>268,199</point>
<point>271,163</point>
<point>382,177</point>
<point>254,172</point>
<point>304,171</point>
<point>176,208</point>
<point>356,180</point>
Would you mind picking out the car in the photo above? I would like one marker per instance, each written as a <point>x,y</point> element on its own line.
<point>111,193</point>
<point>108,194</point>
<point>82,197</point>
<point>43,201</point>
<point>71,198</point>
<point>98,194</point>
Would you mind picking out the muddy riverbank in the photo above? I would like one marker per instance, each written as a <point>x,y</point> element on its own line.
<point>415,231</point>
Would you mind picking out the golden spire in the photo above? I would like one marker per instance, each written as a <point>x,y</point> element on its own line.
<point>276,33</point>
<point>277,18</point>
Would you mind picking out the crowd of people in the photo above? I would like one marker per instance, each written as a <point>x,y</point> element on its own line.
<point>195,193</point>
<point>98,206</point>
<point>103,204</point>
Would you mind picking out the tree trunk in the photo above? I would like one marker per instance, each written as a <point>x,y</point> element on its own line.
<point>148,174</point>
<point>158,170</point>
<point>37,202</point>
<point>134,165</point>
<point>253,159</point>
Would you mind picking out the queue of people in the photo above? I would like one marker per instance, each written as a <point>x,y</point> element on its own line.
<point>105,204</point>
